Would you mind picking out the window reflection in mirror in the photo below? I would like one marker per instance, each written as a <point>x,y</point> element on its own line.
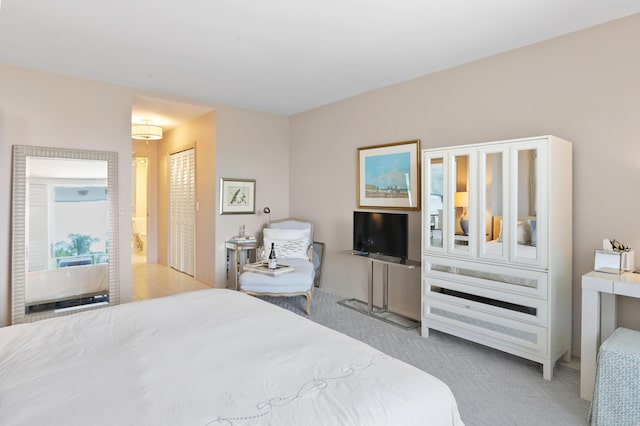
<point>67,213</point>
<point>526,223</point>
<point>461,202</point>
<point>436,196</point>
<point>67,233</point>
<point>493,203</point>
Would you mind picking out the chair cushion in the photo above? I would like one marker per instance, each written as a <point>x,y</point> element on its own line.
<point>301,279</point>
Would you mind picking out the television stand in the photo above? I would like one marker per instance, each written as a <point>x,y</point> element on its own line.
<point>367,307</point>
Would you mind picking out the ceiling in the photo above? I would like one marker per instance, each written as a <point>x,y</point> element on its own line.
<point>164,113</point>
<point>280,56</point>
<point>65,168</point>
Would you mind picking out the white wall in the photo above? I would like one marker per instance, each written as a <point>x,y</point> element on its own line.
<point>43,109</point>
<point>251,145</point>
<point>200,134</point>
<point>583,87</point>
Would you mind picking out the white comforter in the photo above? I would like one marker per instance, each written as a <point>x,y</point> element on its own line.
<point>66,283</point>
<point>211,357</point>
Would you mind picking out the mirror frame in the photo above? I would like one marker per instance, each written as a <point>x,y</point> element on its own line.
<point>18,227</point>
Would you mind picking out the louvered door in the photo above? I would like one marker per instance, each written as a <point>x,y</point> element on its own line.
<point>182,214</point>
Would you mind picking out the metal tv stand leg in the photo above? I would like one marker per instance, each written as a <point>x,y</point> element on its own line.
<point>381,313</point>
<point>370,282</point>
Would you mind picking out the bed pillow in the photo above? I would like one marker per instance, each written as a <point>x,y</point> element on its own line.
<point>288,243</point>
<point>533,223</point>
<point>287,249</point>
<point>285,234</point>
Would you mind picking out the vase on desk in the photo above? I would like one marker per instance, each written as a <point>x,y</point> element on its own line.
<point>627,261</point>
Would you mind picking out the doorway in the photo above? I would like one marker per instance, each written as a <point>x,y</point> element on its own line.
<point>139,209</point>
<point>185,126</point>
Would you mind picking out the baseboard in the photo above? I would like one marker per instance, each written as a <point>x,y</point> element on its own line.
<point>574,363</point>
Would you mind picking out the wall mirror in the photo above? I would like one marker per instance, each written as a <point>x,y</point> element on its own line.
<point>64,232</point>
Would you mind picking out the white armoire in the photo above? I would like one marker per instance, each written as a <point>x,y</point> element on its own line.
<point>497,246</point>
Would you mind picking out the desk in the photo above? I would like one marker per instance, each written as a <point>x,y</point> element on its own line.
<point>367,307</point>
<point>599,291</point>
<point>241,253</point>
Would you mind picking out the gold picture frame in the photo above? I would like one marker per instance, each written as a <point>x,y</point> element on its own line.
<point>389,176</point>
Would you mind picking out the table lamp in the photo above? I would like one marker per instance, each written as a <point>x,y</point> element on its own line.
<point>461,199</point>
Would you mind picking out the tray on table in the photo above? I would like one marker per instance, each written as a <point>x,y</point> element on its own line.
<point>262,268</point>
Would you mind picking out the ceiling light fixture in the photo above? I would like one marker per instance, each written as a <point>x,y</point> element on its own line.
<point>146,131</point>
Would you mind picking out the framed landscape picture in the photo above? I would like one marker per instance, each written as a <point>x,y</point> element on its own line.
<point>389,176</point>
<point>237,196</point>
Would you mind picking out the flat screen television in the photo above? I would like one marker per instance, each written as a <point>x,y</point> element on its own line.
<point>381,233</point>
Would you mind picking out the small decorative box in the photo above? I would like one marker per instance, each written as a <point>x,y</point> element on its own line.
<point>608,261</point>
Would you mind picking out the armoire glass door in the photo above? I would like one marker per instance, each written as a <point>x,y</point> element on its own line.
<point>526,206</point>
<point>460,231</point>
<point>493,199</point>
<point>434,200</point>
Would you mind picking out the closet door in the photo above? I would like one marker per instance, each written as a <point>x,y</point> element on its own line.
<point>182,214</point>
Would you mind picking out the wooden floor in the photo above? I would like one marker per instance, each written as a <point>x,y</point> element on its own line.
<point>152,280</point>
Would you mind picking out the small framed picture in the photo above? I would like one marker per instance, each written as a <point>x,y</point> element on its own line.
<point>237,196</point>
<point>389,176</point>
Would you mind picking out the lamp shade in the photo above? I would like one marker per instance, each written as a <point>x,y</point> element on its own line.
<point>461,199</point>
<point>146,132</point>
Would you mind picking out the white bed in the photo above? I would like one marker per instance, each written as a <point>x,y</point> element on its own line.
<point>526,235</point>
<point>211,357</point>
<point>72,282</point>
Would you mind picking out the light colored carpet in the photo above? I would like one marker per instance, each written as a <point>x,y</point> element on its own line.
<point>491,387</point>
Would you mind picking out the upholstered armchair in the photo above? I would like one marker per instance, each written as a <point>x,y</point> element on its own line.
<point>293,242</point>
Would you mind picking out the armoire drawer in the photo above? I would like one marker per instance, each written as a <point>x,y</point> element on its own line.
<point>484,328</point>
<point>505,279</point>
<point>499,303</point>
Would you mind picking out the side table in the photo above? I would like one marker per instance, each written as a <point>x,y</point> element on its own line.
<point>240,251</point>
